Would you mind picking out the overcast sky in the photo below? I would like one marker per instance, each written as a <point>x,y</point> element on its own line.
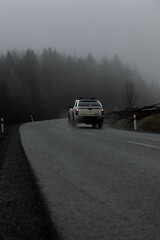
<point>129,28</point>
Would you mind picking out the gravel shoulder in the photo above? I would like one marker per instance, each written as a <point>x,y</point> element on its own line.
<point>23,211</point>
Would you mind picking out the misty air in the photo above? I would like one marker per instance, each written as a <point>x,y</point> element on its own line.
<point>79,119</point>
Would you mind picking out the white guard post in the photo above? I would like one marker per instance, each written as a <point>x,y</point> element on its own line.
<point>135,122</point>
<point>2,125</point>
<point>32,118</point>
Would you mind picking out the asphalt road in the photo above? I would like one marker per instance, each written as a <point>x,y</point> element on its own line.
<point>100,184</point>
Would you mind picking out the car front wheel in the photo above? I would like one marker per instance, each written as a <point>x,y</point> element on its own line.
<point>74,124</point>
<point>100,124</point>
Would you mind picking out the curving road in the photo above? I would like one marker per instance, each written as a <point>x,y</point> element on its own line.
<point>99,184</point>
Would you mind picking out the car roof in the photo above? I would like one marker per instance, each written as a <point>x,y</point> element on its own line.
<point>87,100</point>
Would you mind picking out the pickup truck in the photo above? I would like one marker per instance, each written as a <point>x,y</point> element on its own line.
<point>88,111</point>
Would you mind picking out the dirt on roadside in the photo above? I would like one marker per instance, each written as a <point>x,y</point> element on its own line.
<point>24,214</point>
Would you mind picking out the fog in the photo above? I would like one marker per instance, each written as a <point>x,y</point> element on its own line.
<point>129,28</point>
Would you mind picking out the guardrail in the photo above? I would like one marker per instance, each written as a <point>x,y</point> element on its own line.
<point>142,111</point>
<point>138,112</point>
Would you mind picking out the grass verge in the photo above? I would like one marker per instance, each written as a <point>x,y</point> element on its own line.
<point>147,124</point>
<point>150,124</point>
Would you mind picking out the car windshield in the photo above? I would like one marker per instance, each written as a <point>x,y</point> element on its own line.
<point>89,103</point>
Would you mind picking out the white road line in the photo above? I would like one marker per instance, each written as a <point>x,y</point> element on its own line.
<point>143,144</point>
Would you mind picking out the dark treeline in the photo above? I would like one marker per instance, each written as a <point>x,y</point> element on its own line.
<point>44,85</point>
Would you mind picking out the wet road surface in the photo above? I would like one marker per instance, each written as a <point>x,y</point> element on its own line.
<point>99,184</point>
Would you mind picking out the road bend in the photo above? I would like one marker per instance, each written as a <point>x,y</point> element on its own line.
<point>100,184</point>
